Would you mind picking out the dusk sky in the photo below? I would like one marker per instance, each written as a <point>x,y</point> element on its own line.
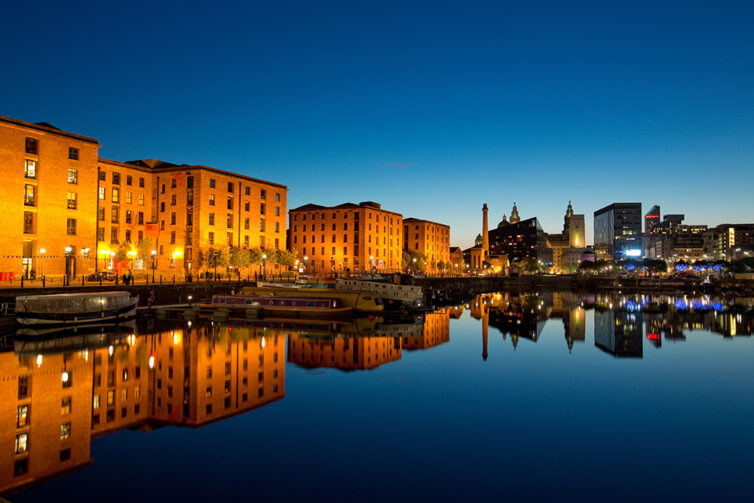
<point>428,108</point>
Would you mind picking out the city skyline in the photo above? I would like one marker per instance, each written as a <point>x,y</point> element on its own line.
<point>431,112</point>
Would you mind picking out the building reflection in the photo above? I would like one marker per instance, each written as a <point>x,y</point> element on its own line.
<point>523,316</point>
<point>434,331</point>
<point>618,333</point>
<point>53,403</point>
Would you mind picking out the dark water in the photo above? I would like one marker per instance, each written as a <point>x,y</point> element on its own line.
<point>551,397</point>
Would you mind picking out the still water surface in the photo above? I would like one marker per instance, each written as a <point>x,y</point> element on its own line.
<point>536,397</point>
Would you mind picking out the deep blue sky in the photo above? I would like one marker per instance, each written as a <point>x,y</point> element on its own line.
<point>429,108</point>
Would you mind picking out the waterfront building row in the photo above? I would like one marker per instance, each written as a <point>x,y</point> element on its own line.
<point>70,212</point>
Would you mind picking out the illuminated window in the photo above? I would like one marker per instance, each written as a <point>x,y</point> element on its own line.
<point>73,153</point>
<point>102,193</point>
<point>65,406</point>
<point>95,402</point>
<point>73,176</point>
<point>30,195</point>
<point>71,227</point>
<point>22,416</point>
<point>116,195</point>
<point>211,199</point>
<point>141,199</point>
<point>22,443</point>
<point>65,431</point>
<point>128,197</point>
<point>30,169</point>
<point>72,200</point>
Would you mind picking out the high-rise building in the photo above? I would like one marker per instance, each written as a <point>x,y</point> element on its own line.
<point>568,246</point>
<point>729,241</point>
<point>651,219</point>
<point>617,231</point>
<point>356,237</point>
<point>428,238</point>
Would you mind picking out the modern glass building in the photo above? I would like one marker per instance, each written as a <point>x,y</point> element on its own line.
<point>617,231</point>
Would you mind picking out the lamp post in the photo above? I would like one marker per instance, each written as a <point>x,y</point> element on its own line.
<point>154,252</point>
<point>264,266</point>
<point>371,263</point>
<point>306,263</point>
<point>42,262</point>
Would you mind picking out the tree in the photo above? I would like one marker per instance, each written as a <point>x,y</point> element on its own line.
<point>144,248</point>
<point>531,265</point>
<point>286,258</point>
<point>217,257</point>
<point>414,261</point>
<point>255,256</point>
<point>239,258</point>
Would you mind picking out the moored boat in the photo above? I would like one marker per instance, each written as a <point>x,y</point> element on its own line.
<point>74,308</point>
<point>282,305</point>
<point>360,301</point>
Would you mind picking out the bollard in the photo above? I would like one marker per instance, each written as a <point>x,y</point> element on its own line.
<point>43,281</point>
<point>160,278</point>
<point>22,281</point>
<point>82,280</point>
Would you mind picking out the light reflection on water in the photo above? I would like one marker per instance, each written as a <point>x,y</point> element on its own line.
<point>487,399</point>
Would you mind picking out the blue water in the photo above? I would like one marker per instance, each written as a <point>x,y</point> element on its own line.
<point>538,421</point>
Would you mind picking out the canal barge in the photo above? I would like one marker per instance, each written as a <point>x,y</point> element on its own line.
<point>281,305</point>
<point>359,301</point>
<point>74,308</point>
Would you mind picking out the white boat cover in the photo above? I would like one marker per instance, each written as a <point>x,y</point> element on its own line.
<point>72,302</point>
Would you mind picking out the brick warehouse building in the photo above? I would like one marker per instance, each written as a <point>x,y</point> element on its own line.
<point>428,238</point>
<point>69,212</point>
<point>357,237</point>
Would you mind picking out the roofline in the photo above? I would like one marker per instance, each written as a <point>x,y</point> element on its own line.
<point>189,167</point>
<point>124,164</point>
<point>317,207</point>
<point>47,129</point>
<point>413,219</point>
<point>611,206</point>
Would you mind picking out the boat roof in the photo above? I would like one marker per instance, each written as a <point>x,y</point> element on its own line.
<point>58,296</point>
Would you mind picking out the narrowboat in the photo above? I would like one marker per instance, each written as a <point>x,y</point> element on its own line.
<point>74,308</point>
<point>360,301</point>
<point>298,306</point>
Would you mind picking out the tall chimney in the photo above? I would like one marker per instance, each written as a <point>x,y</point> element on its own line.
<point>485,234</point>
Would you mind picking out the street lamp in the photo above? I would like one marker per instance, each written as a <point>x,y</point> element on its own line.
<point>153,253</point>
<point>264,266</point>
<point>306,263</point>
<point>42,264</point>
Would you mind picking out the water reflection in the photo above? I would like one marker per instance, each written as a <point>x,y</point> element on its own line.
<point>57,394</point>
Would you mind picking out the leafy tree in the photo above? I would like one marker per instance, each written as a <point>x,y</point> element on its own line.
<point>255,256</point>
<point>144,248</point>
<point>217,257</point>
<point>239,257</point>
<point>531,265</point>
<point>285,257</point>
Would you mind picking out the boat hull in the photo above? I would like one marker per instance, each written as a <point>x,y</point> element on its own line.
<point>121,313</point>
